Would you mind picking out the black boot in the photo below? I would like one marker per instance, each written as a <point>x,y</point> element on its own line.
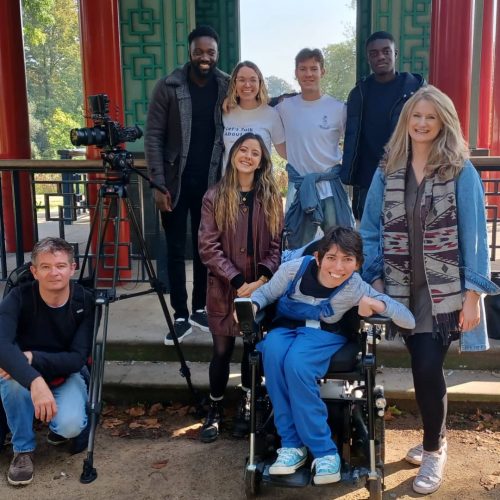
<point>241,427</point>
<point>210,430</point>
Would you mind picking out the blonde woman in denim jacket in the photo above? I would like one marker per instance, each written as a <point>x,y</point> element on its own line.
<point>425,242</point>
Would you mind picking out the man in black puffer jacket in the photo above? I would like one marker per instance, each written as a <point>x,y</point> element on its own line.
<point>373,109</point>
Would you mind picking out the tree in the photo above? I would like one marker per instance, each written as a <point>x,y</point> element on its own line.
<point>53,72</point>
<point>340,64</point>
<point>277,86</point>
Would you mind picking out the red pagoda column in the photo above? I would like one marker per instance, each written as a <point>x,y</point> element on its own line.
<point>486,80</point>
<point>495,105</point>
<point>102,74</point>
<point>451,53</point>
<point>14,124</point>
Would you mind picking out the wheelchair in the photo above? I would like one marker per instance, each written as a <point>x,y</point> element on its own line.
<point>356,407</point>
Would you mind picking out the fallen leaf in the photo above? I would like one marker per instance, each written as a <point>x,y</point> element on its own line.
<point>388,416</point>
<point>155,409</point>
<point>151,423</point>
<point>110,423</point>
<point>136,411</point>
<point>108,410</point>
<point>160,464</point>
<point>395,411</point>
<point>135,425</point>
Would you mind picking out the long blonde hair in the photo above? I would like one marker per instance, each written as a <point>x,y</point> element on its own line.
<point>449,149</point>
<point>262,96</point>
<point>227,195</point>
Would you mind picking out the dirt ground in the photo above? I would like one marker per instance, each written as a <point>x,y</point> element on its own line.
<point>153,453</point>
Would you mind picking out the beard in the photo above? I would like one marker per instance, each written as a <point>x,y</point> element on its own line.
<point>202,73</point>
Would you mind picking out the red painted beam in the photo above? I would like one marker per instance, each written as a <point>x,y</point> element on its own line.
<point>102,74</point>
<point>451,53</point>
<point>14,122</point>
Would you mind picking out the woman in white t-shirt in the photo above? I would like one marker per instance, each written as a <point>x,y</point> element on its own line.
<point>246,110</point>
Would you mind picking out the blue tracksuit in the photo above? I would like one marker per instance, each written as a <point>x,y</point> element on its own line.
<point>295,358</point>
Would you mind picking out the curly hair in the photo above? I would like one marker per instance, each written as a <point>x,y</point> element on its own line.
<point>227,195</point>
<point>449,149</point>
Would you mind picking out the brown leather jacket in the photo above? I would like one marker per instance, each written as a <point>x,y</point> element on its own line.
<point>225,255</point>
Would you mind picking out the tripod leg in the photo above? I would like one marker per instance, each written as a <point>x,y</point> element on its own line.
<point>99,222</point>
<point>157,287</point>
<point>89,473</point>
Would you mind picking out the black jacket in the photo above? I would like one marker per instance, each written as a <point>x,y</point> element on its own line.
<point>411,83</point>
<point>60,339</point>
<point>168,130</point>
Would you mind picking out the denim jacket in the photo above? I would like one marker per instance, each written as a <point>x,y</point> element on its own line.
<point>306,207</point>
<point>473,243</point>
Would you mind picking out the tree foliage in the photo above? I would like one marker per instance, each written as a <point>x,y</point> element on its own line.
<point>277,86</point>
<point>53,73</point>
<point>340,64</point>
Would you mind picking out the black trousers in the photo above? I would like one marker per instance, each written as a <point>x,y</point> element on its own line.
<point>358,201</point>
<point>175,226</point>
<point>427,358</point>
<point>218,373</point>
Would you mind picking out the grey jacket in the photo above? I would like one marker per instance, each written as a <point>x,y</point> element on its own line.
<point>348,297</point>
<point>168,130</point>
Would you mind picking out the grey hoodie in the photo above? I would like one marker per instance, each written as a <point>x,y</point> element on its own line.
<point>347,298</point>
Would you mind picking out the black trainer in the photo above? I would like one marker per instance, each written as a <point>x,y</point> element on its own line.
<point>199,319</point>
<point>55,439</point>
<point>182,329</point>
<point>241,426</point>
<point>210,430</point>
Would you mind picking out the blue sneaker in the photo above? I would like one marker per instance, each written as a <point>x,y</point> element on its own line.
<point>326,469</point>
<point>288,461</point>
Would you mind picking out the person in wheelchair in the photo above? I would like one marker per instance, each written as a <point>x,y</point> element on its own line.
<point>312,294</point>
<point>44,346</point>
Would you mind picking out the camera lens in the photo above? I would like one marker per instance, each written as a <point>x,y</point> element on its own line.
<point>88,136</point>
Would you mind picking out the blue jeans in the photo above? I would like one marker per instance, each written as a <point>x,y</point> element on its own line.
<point>70,420</point>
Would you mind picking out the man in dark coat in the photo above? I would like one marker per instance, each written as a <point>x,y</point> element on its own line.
<point>373,109</point>
<point>183,151</point>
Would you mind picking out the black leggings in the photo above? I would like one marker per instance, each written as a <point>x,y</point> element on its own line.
<point>218,372</point>
<point>427,358</point>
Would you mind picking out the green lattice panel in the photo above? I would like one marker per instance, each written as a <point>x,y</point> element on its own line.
<point>410,23</point>
<point>224,17</point>
<point>153,43</point>
<point>363,31</point>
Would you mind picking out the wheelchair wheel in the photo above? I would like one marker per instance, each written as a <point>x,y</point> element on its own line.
<point>375,488</point>
<point>252,483</point>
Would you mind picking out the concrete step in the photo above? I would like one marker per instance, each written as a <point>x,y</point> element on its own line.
<point>137,328</point>
<point>146,381</point>
<point>198,347</point>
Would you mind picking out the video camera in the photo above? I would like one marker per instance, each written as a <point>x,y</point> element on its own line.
<point>105,133</point>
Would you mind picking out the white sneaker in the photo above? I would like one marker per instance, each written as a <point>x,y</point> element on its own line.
<point>414,455</point>
<point>430,474</point>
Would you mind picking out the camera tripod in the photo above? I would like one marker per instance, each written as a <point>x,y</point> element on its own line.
<point>118,165</point>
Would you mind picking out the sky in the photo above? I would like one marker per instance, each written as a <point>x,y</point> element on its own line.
<point>273,31</point>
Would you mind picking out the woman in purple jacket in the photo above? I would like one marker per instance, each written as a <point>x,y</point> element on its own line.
<point>239,242</point>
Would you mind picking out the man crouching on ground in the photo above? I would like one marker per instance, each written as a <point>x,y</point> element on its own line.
<point>44,345</point>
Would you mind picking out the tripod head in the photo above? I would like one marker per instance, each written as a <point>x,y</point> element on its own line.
<point>118,164</point>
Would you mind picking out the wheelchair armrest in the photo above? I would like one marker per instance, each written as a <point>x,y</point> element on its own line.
<point>377,319</point>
